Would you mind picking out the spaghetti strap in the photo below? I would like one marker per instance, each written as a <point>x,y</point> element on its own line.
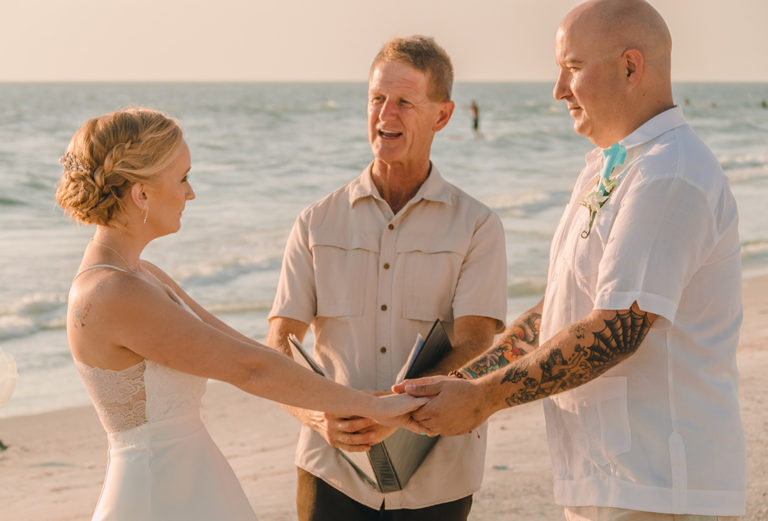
<point>89,268</point>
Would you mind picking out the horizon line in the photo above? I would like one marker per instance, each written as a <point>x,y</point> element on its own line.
<point>312,81</point>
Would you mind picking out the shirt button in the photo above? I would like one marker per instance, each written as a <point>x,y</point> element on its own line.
<point>383,307</point>
<point>383,350</point>
<point>391,226</point>
<point>386,266</point>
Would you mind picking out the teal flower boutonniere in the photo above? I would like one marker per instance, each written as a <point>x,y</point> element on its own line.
<point>612,157</point>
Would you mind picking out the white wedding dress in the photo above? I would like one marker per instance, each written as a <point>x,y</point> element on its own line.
<point>163,464</point>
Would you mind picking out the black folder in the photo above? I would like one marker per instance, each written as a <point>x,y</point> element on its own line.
<point>388,465</point>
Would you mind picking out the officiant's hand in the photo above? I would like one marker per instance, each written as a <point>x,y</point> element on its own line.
<point>457,405</point>
<point>355,434</point>
<point>377,431</point>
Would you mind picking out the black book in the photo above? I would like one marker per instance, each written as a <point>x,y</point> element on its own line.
<point>388,465</point>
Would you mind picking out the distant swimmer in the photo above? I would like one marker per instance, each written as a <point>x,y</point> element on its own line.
<point>476,116</point>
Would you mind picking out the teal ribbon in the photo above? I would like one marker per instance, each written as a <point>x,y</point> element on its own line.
<point>613,156</point>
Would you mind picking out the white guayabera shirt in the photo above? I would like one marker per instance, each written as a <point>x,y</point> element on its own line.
<point>660,431</point>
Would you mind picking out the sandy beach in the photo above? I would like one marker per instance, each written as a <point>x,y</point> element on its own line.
<point>54,464</point>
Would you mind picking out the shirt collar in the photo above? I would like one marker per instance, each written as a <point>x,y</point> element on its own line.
<point>654,127</point>
<point>648,131</point>
<point>435,188</point>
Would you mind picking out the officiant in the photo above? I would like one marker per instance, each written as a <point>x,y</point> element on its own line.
<point>371,266</point>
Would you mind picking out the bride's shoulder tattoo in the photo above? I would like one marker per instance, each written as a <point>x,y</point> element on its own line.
<point>80,314</point>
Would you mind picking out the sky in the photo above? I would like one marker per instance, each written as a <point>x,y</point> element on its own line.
<point>335,40</point>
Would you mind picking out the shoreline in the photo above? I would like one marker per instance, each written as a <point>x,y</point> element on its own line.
<point>55,461</point>
<point>69,392</point>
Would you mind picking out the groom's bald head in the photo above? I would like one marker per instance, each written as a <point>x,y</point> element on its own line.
<point>615,62</point>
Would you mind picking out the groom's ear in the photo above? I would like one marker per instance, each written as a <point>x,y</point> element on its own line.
<point>634,65</point>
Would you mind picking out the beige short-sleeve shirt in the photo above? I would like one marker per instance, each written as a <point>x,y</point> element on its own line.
<point>368,282</point>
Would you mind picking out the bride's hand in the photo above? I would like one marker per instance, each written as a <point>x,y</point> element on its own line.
<point>395,411</point>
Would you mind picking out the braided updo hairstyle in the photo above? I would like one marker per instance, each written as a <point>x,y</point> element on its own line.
<point>107,155</point>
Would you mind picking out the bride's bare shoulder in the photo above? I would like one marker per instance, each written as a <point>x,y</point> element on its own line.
<point>106,293</point>
<point>157,272</point>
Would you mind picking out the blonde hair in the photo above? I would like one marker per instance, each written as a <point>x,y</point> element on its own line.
<point>423,54</point>
<point>108,154</point>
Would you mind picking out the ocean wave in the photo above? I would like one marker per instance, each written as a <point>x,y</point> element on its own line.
<point>525,203</point>
<point>746,162</point>
<point>226,271</point>
<point>31,314</point>
<point>527,288</point>
<point>239,308</point>
<point>754,247</point>
<point>516,200</point>
<point>7,201</point>
<point>746,176</point>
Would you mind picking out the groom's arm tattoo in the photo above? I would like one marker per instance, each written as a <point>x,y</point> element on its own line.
<point>495,358</point>
<point>527,328</point>
<point>524,331</point>
<point>622,335</point>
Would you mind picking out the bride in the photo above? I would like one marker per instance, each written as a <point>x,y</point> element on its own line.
<point>144,349</point>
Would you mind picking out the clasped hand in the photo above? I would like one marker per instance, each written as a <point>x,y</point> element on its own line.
<point>357,433</point>
<point>456,405</point>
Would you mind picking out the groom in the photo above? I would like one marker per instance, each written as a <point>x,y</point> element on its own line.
<point>641,315</point>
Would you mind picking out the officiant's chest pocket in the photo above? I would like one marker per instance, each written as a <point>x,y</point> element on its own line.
<point>431,271</point>
<point>341,270</point>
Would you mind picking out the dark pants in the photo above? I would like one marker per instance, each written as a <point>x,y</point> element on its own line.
<point>318,501</point>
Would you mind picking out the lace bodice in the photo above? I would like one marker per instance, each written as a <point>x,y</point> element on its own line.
<point>120,397</point>
<point>140,394</point>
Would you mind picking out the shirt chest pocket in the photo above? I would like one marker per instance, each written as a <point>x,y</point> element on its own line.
<point>596,418</point>
<point>431,270</point>
<point>342,267</point>
<point>588,251</point>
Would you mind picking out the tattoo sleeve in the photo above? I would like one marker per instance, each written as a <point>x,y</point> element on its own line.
<point>524,331</point>
<point>527,328</point>
<point>561,367</point>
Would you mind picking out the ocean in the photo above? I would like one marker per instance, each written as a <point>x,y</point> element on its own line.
<point>262,152</point>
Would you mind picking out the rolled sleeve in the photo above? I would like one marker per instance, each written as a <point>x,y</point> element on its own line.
<point>481,289</point>
<point>654,247</point>
<point>296,293</point>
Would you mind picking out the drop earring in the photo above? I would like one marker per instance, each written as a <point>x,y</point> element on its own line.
<point>146,214</point>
